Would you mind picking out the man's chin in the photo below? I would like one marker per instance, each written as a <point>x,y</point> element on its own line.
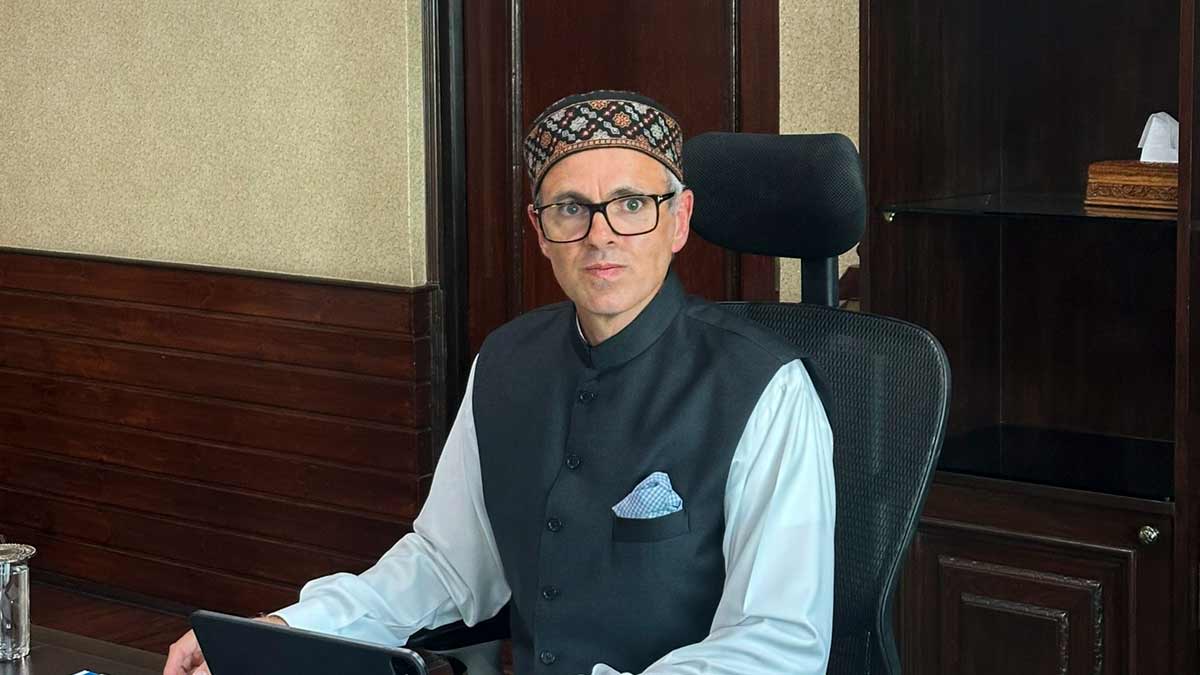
<point>608,302</point>
<point>600,291</point>
<point>604,309</point>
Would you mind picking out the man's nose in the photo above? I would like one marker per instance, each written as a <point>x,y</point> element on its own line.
<point>601,234</point>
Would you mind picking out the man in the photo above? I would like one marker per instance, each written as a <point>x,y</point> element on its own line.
<point>646,480</point>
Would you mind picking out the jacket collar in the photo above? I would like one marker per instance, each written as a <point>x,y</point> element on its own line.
<point>645,329</point>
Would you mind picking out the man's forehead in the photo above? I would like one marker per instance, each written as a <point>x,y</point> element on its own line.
<point>604,169</point>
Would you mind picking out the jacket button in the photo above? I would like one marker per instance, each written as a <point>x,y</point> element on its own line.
<point>554,524</point>
<point>573,461</point>
<point>586,396</point>
<point>547,657</point>
<point>549,592</point>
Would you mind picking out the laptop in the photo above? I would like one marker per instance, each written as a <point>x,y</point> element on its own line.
<point>236,646</point>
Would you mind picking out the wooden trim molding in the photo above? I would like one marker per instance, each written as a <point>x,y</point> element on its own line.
<point>1060,618</point>
<point>1092,587</point>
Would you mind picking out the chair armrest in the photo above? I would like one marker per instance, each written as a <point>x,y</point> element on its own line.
<point>457,635</point>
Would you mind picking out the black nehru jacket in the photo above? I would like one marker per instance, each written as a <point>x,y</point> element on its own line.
<point>566,431</point>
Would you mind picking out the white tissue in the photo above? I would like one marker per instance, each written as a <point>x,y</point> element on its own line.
<point>1160,139</point>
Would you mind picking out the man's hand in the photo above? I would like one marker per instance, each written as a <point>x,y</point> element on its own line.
<point>185,657</point>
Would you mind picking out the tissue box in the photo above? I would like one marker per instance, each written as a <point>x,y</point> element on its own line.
<point>1130,183</point>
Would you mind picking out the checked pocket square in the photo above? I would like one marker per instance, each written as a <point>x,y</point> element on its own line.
<point>652,498</point>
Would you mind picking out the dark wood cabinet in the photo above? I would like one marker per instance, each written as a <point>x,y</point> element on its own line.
<point>1019,579</point>
<point>1060,533</point>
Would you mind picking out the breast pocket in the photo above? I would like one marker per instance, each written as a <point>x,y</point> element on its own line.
<point>651,529</point>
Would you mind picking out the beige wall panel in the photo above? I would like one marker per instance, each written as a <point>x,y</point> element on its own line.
<point>274,136</point>
<point>818,85</point>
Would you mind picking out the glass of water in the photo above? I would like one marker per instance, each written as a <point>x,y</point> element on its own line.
<point>14,601</point>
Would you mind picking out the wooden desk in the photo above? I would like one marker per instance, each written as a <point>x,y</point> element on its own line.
<point>54,652</point>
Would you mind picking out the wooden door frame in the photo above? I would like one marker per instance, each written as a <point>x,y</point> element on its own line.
<point>445,207</point>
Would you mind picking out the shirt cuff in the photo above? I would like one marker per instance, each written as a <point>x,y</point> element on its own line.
<point>313,614</point>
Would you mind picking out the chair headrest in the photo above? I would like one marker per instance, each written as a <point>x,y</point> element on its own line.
<point>795,196</point>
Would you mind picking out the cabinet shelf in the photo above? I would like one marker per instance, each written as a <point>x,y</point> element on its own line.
<point>1028,204</point>
<point>1117,465</point>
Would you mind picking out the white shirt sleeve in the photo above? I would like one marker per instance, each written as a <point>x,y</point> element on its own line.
<point>447,569</point>
<point>776,609</point>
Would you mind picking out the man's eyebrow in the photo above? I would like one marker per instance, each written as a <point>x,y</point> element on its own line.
<point>568,196</point>
<point>624,190</point>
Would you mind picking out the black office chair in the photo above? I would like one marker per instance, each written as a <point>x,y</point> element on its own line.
<point>887,382</point>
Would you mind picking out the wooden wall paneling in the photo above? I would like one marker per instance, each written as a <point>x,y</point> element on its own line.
<point>229,509</point>
<point>322,437</point>
<point>222,550</point>
<point>209,438</point>
<point>189,583</point>
<point>272,340</point>
<point>366,306</point>
<point>361,488</point>
<point>378,399</point>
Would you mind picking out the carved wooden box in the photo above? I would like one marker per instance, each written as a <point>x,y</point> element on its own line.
<point>1130,183</point>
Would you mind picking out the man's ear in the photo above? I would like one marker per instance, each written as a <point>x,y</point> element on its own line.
<point>533,222</point>
<point>682,220</point>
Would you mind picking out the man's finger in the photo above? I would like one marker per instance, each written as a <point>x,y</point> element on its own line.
<point>184,656</point>
<point>174,665</point>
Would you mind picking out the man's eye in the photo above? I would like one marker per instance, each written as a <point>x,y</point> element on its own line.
<point>634,204</point>
<point>570,210</point>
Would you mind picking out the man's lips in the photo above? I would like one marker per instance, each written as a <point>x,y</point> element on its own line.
<point>604,270</point>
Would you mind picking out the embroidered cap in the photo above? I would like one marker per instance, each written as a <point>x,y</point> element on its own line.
<point>602,119</point>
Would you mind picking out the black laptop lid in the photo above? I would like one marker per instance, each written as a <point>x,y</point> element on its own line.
<point>236,646</point>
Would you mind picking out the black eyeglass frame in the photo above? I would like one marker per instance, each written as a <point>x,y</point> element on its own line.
<point>602,209</point>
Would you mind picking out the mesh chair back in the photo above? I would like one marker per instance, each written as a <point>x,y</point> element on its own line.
<point>889,383</point>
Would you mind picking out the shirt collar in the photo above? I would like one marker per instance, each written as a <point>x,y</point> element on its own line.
<point>643,331</point>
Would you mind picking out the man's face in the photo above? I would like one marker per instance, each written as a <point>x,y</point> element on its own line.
<point>609,276</point>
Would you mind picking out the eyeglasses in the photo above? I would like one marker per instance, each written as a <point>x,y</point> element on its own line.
<point>627,215</point>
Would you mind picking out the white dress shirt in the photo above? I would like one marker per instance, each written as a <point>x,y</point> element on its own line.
<point>776,609</point>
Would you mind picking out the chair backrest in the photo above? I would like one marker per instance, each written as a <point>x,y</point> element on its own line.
<point>889,384</point>
<point>794,195</point>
